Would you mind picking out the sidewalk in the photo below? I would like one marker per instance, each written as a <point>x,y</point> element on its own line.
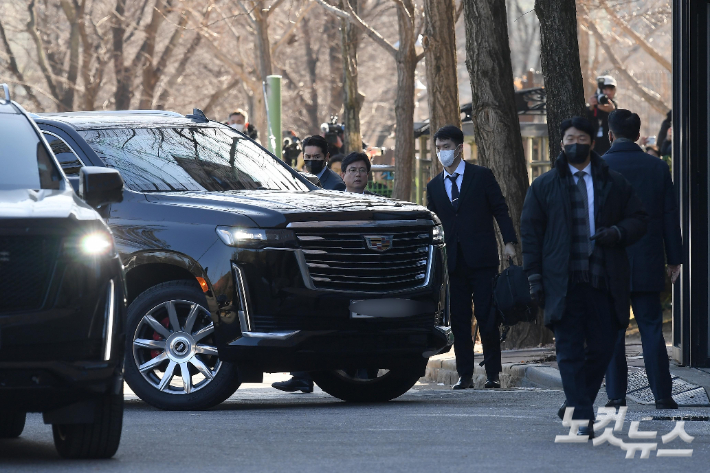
<point>536,367</point>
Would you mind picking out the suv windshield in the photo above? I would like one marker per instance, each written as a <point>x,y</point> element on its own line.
<point>25,161</point>
<point>189,159</point>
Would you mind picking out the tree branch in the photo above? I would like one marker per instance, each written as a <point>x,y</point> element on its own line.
<point>653,98</point>
<point>273,7</point>
<point>638,39</point>
<point>351,16</point>
<point>16,70</point>
<point>172,44</point>
<point>39,46</point>
<point>286,36</point>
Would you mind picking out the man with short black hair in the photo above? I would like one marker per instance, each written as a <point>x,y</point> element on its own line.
<point>239,120</point>
<point>651,179</point>
<point>577,219</point>
<point>467,198</point>
<point>355,170</point>
<point>315,158</point>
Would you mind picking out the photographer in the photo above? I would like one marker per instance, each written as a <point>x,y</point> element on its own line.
<point>291,148</point>
<point>601,104</point>
<point>333,133</point>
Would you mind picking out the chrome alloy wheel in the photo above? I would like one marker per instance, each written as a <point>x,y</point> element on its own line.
<point>176,334</point>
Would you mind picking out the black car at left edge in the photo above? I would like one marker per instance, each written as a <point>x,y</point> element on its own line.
<point>62,295</point>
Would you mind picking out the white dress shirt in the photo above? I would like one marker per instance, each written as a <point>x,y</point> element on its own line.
<point>590,192</point>
<point>447,182</point>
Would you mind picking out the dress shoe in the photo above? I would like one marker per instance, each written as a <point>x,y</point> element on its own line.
<point>293,385</point>
<point>616,403</point>
<point>667,403</point>
<point>587,430</point>
<point>561,411</point>
<point>492,383</point>
<point>464,382</point>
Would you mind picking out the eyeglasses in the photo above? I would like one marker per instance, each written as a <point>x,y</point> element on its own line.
<point>356,171</point>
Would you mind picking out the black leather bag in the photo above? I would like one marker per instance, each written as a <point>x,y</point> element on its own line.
<point>511,296</point>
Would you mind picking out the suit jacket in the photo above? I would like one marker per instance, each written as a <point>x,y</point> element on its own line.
<point>331,181</point>
<point>651,179</point>
<point>471,227</point>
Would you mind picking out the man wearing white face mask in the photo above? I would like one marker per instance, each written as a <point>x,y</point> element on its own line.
<point>239,120</point>
<point>467,198</point>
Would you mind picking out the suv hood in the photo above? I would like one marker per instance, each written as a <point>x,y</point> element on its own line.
<point>28,203</point>
<point>269,208</point>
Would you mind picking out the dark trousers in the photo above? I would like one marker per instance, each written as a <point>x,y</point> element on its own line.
<point>588,320</point>
<point>474,285</point>
<point>649,317</point>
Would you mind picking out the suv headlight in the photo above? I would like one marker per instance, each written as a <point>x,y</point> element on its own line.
<point>96,243</point>
<point>438,234</point>
<point>255,237</point>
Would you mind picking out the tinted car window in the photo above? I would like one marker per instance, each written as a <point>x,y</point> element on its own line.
<point>65,155</point>
<point>26,164</point>
<point>189,159</point>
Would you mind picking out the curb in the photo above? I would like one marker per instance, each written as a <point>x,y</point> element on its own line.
<point>513,375</point>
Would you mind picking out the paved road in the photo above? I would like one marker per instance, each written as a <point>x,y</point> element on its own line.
<point>428,429</point>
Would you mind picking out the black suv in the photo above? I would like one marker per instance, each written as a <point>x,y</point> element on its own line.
<point>62,304</point>
<point>236,265</point>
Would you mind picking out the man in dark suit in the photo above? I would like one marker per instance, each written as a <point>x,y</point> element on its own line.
<point>651,179</point>
<point>577,219</point>
<point>466,198</point>
<point>315,159</point>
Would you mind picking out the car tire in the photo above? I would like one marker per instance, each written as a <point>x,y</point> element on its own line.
<point>386,387</point>
<point>12,423</point>
<point>155,349</point>
<point>99,439</point>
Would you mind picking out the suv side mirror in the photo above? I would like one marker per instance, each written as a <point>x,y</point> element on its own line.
<point>100,186</point>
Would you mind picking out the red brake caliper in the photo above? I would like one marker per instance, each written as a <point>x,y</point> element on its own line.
<point>156,336</point>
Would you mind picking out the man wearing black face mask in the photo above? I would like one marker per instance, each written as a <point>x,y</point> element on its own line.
<point>315,159</point>
<point>577,220</point>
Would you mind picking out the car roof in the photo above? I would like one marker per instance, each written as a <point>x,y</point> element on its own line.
<point>122,119</point>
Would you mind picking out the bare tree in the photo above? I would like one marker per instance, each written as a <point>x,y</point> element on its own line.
<point>406,60</point>
<point>441,74</point>
<point>560,66</point>
<point>15,70</point>
<point>495,122</point>
<point>352,97</point>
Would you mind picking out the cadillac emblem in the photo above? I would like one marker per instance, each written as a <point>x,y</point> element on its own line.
<point>379,242</point>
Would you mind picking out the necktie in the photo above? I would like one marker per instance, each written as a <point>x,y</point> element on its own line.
<point>582,186</point>
<point>454,190</point>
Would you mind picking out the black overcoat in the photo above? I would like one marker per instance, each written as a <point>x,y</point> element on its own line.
<point>546,229</point>
<point>651,179</point>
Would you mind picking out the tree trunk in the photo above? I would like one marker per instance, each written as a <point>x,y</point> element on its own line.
<point>122,96</point>
<point>353,100</point>
<point>561,69</point>
<point>406,61</point>
<point>311,66</point>
<point>263,49</point>
<point>335,65</point>
<point>441,74</point>
<point>72,13</point>
<point>495,122</point>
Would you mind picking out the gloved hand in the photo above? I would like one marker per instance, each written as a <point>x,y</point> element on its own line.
<point>607,236</point>
<point>537,293</point>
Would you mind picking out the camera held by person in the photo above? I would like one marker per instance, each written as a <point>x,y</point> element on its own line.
<point>333,133</point>
<point>291,148</point>
<point>601,104</point>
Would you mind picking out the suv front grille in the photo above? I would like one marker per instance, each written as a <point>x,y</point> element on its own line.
<point>370,260</point>
<point>26,264</point>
